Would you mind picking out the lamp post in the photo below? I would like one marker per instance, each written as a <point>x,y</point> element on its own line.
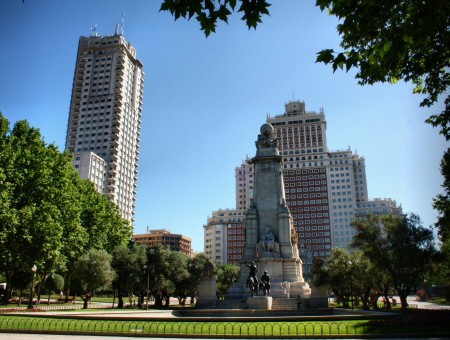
<point>148,284</point>
<point>351,285</point>
<point>30,300</point>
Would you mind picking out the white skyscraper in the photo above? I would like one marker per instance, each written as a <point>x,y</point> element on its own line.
<point>105,115</point>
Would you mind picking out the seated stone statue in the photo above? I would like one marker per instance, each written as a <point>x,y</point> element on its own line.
<point>268,241</point>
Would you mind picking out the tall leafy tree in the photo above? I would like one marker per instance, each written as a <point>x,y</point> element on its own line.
<point>32,224</point>
<point>399,245</point>
<point>48,215</point>
<point>442,201</point>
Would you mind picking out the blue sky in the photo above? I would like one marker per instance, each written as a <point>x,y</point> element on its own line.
<point>205,100</point>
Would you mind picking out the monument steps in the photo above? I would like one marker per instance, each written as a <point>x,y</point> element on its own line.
<point>284,304</point>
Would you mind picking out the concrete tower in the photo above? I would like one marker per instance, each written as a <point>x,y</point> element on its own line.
<point>105,116</point>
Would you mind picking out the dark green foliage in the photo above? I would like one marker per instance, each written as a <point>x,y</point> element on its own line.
<point>54,283</point>
<point>227,274</point>
<point>398,245</point>
<point>208,12</point>
<point>392,40</point>
<point>94,272</point>
<point>48,215</point>
<point>442,202</point>
<point>129,264</point>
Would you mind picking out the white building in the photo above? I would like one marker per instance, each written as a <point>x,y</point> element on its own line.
<point>347,186</point>
<point>244,184</point>
<point>225,236</point>
<point>378,206</point>
<point>92,167</point>
<point>105,114</point>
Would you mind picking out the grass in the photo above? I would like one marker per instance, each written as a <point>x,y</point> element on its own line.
<point>64,325</point>
<point>416,322</point>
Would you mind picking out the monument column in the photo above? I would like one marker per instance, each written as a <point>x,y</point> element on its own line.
<point>269,242</point>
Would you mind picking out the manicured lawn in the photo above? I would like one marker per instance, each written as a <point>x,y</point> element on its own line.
<point>412,322</point>
<point>65,325</point>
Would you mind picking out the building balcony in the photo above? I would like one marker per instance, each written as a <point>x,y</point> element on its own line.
<point>113,158</point>
<point>112,179</point>
<point>111,186</point>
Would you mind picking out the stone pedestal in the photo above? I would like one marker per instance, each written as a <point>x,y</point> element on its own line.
<point>207,292</point>
<point>259,302</point>
<point>319,297</point>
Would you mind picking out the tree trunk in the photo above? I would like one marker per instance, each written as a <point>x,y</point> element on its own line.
<point>140,300</point>
<point>386,297</point>
<point>8,291</point>
<point>403,295</point>
<point>120,297</point>
<point>158,300</point>
<point>85,299</point>
<point>69,279</point>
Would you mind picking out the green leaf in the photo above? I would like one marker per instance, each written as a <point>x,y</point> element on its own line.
<point>325,56</point>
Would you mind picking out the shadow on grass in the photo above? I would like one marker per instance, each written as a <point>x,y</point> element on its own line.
<point>413,321</point>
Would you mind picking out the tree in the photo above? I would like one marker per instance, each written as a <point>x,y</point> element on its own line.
<point>196,267</point>
<point>227,274</point>
<point>158,266</point>
<point>179,276</point>
<point>399,245</point>
<point>48,215</point>
<point>392,40</point>
<point>93,271</point>
<point>207,12</point>
<point>100,226</point>
<point>54,283</point>
<point>128,262</point>
<point>386,40</point>
<point>35,182</point>
<point>442,202</point>
<point>336,273</point>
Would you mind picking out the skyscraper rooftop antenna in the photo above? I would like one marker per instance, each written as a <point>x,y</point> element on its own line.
<point>123,23</point>
<point>94,30</point>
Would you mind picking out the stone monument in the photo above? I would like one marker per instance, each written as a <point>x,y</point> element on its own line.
<point>207,291</point>
<point>270,239</point>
